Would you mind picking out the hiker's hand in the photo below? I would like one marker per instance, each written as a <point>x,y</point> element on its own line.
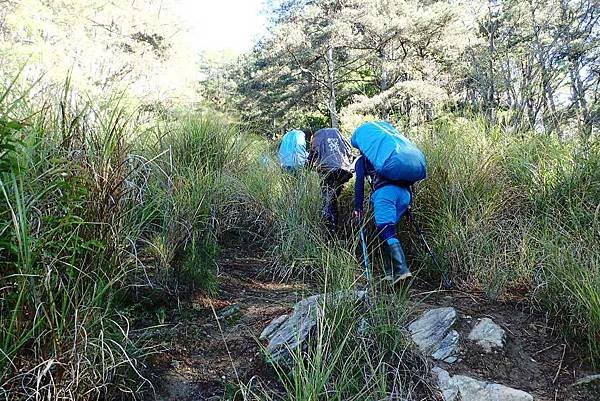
<point>357,214</point>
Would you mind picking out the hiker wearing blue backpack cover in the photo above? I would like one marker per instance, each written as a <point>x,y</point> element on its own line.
<point>392,164</point>
<point>292,151</point>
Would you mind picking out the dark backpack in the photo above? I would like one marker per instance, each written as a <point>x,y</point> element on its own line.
<point>331,150</point>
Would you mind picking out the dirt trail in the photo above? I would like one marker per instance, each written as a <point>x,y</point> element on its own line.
<point>212,343</point>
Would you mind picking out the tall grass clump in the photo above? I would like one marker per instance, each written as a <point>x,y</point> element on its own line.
<point>517,214</point>
<point>188,193</point>
<point>98,203</point>
<point>64,250</point>
<point>223,188</point>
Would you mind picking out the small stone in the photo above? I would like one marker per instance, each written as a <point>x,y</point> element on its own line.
<point>488,335</point>
<point>445,384</point>
<point>272,327</point>
<point>465,388</point>
<point>289,336</point>
<point>229,312</point>
<point>363,327</point>
<point>447,347</point>
<point>431,327</point>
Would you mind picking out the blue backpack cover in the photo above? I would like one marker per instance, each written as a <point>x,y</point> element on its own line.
<point>292,151</point>
<point>392,155</point>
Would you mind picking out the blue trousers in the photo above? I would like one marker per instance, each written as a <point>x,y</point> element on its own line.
<point>389,204</point>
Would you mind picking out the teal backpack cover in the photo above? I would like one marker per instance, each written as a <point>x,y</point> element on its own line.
<point>292,151</point>
<point>392,155</point>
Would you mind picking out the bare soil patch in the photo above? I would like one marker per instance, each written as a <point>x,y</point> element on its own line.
<point>211,343</point>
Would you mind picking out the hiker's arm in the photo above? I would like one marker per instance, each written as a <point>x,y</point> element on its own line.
<point>359,185</point>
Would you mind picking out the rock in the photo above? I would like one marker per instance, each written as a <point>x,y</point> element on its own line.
<point>363,327</point>
<point>446,349</point>
<point>588,380</point>
<point>432,334</point>
<point>488,335</point>
<point>288,334</point>
<point>293,331</point>
<point>432,327</point>
<point>274,325</point>
<point>445,384</point>
<point>229,311</point>
<point>465,388</point>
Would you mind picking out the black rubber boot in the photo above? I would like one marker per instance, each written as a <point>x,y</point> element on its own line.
<point>398,261</point>
<point>388,271</point>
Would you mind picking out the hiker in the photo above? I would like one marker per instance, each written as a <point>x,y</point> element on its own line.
<point>292,151</point>
<point>332,154</point>
<point>392,164</point>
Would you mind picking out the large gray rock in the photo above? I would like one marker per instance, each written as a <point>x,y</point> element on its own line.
<point>488,335</point>
<point>465,388</point>
<point>432,334</point>
<point>288,334</point>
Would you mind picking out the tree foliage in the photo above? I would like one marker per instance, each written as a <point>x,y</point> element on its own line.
<point>105,46</point>
<point>539,64</point>
<point>532,64</point>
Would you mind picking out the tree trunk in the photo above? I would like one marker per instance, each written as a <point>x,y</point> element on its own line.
<point>331,104</point>
<point>542,56</point>
<point>384,82</point>
<point>578,92</point>
<point>550,115</point>
<point>491,92</point>
<point>579,99</point>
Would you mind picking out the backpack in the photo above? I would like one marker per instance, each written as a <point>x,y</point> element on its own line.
<point>332,150</point>
<point>392,155</point>
<point>292,151</point>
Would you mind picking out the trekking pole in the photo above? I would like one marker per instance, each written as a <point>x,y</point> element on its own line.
<point>446,280</point>
<point>361,234</point>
